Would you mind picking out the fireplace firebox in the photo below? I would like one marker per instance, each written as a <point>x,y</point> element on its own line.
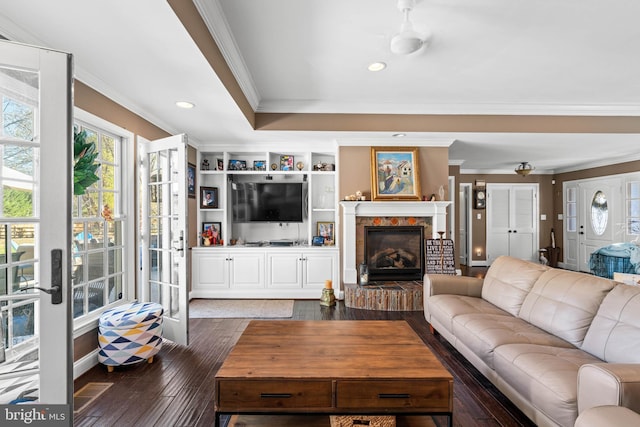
<point>394,253</point>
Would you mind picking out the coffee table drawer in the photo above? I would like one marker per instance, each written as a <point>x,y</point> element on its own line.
<point>427,396</point>
<point>254,394</point>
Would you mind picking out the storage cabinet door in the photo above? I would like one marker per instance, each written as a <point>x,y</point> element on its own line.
<point>246,270</point>
<point>284,270</point>
<point>318,269</point>
<point>211,271</point>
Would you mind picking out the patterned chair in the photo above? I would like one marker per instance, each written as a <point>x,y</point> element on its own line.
<point>130,334</point>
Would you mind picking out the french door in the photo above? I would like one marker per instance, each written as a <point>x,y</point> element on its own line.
<point>163,237</point>
<point>35,232</point>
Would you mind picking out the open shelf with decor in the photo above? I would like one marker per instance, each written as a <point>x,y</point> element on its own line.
<point>277,206</point>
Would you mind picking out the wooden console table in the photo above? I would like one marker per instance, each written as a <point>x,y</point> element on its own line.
<point>332,367</point>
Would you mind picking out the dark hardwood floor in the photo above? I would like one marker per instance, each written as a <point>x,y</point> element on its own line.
<point>177,389</point>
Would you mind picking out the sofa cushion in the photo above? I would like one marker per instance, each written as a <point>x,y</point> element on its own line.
<point>482,333</point>
<point>564,303</point>
<point>614,334</point>
<point>446,307</point>
<point>544,375</point>
<point>508,281</point>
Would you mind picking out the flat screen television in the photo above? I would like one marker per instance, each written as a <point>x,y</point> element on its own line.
<point>268,201</point>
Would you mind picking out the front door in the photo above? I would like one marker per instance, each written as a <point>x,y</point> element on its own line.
<point>599,218</point>
<point>35,234</point>
<point>163,187</point>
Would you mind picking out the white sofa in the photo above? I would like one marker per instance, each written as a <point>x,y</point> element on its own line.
<point>555,342</point>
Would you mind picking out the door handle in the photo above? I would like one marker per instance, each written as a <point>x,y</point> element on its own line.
<point>515,231</point>
<point>180,243</point>
<point>56,278</point>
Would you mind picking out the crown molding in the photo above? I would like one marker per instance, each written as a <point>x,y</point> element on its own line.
<point>213,17</point>
<point>599,163</point>
<point>503,172</point>
<point>377,141</point>
<point>511,109</point>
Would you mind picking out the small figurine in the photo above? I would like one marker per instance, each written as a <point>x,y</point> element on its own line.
<point>205,165</point>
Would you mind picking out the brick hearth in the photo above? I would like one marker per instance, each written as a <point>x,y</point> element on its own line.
<point>388,296</point>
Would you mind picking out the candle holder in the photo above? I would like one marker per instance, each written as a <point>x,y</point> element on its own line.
<point>328,298</point>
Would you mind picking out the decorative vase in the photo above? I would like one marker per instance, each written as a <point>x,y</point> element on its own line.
<point>207,242</point>
<point>441,193</point>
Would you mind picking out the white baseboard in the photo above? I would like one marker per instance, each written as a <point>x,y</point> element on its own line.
<point>479,263</point>
<point>84,364</point>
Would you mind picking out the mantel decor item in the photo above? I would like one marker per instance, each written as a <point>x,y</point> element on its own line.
<point>395,174</point>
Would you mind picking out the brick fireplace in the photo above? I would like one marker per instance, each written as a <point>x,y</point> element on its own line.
<point>357,215</point>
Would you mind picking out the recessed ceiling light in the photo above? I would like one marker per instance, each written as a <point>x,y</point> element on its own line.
<point>377,66</point>
<point>185,104</point>
<point>399,135</point>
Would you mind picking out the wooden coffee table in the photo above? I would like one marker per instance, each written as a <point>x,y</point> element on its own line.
<point>332,367</point>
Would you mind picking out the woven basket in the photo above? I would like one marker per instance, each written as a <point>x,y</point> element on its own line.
<point>363,420</point>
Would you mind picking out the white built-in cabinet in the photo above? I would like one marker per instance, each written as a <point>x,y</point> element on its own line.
<point>245,265</point>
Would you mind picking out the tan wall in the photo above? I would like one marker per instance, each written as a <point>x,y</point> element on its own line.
<point>355,172</point>
<point>97,104</point>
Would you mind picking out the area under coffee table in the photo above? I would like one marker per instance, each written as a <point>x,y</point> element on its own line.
<point>332,367</point>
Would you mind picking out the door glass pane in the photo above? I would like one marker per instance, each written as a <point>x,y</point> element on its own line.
<point>19,150</point>
<point>599,213</point>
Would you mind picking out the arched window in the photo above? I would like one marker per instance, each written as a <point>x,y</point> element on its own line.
<point>599,213</point>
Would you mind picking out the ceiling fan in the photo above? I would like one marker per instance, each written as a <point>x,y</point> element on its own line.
<point>408,40</point>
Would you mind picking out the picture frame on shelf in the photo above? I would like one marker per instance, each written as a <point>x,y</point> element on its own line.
<point>237,165</point>
<point>260,165</point>
<point>317,241</point>
<point>220,164</point>
<point>211,234</point>
<point>191,180</point>
<point>209,197</point>
<point>286,162</point>
<point>395,173</point>
<point>326,230</point>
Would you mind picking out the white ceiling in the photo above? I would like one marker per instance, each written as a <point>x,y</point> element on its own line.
<point>571,57</point>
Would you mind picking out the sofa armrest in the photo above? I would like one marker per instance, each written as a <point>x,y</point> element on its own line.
<point>615,384</point>
<point>435,284</point>
<point>599,416</point>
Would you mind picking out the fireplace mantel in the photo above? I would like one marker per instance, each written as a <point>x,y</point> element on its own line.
<point>437,211</point>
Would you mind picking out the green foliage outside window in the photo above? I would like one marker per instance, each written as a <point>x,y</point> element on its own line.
<point>85,165</point>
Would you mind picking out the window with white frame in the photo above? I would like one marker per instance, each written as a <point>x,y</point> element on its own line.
<point>633,208</point>
<point>99,228</point>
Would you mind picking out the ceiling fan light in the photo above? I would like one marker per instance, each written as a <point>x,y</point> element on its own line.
<point>405,43</point>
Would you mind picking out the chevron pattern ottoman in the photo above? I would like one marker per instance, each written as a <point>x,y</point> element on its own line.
<point>130,334</point>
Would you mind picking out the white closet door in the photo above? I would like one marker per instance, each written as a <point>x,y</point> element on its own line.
<point>498,221</point>
<point>512,221</point>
